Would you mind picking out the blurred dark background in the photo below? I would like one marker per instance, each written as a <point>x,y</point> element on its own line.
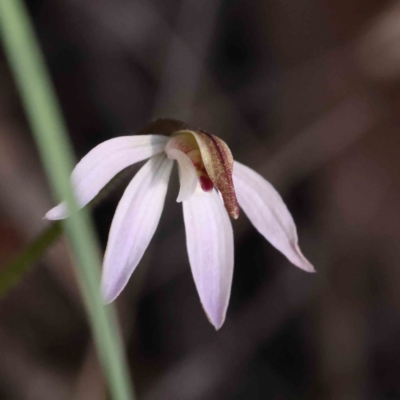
<point>307,93</point>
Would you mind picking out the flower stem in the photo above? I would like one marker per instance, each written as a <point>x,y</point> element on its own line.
<point>49,130</point>
<point>13,272</point>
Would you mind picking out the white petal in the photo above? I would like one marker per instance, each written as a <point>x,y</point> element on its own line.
<point>187,174</point>
<point>209,240</point>
<point>105,161</point>
<point>268,213</point>
<point>134,224</point>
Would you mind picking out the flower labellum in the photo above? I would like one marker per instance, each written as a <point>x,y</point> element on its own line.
<point>212,187</point>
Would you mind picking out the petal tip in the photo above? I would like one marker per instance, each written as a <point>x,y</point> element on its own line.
<point>218,326</point>
<point>109,291</point>
<point>216,319</point>
<point>53,216</point>
<point>311,269</point>
<point>308,267</point>
<point>108,295</point>
<point>302,261</point>
<point>56,213</point>
<point>215,322</point>
<point>181,197</point>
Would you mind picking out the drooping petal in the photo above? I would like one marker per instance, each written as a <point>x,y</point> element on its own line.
<point>134,224</point>
<point>105,161</point>
<point>218,162</point>
<point>209,240</point>
<point>268,213</point>
<point>187,174</point>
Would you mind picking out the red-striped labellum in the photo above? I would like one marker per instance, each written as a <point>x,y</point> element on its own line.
<point>213,162</point>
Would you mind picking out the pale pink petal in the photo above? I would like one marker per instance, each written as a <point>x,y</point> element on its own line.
<point>187,174</point>
<point>105,161</point>
<point>209,240</point>
<point>268,213</point>
<point>134,224</point>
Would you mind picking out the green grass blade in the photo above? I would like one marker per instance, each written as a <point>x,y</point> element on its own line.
<point>50,134</point>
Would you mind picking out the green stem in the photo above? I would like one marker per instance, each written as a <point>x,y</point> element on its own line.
<point>47,124</point>
<point>13,273</point>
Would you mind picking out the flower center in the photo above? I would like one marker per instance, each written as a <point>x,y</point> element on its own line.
<point>186,143</point>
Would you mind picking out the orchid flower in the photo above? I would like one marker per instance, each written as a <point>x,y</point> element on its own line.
<point>212,187</point>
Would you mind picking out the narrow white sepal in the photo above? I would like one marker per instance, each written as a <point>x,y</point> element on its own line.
<point>268,213</point>
<point>187,174</point>
<point>209,239</point>
<point>105,161</point>
<point>134,223</point>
